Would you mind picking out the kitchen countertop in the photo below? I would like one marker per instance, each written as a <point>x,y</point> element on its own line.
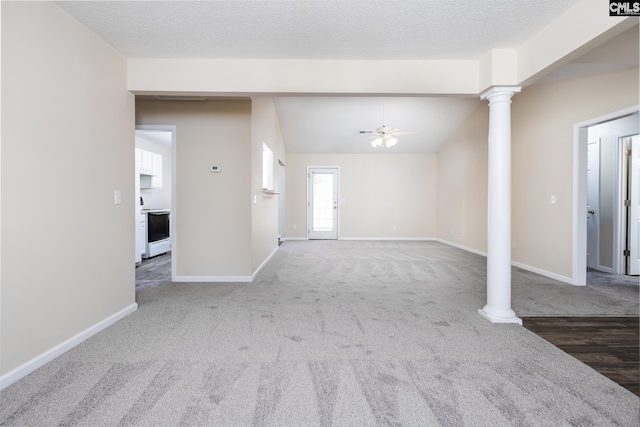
<point>144,210</point>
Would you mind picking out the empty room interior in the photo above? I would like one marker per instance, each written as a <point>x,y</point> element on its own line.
<point>319,213</point>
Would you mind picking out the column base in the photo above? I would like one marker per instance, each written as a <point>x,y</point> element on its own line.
<point>499,316</point>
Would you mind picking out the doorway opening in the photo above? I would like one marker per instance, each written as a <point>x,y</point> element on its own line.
<point>602,219</point>
<point>322,203</point>
<point>155,205</point>
<point>282,201</point>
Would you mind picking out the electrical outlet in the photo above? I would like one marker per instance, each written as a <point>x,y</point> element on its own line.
<point>553,199</point>
<point>295,227</point>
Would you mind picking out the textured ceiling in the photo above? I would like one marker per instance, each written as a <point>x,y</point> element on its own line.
<point>315,29</point>
<point>322,29</point>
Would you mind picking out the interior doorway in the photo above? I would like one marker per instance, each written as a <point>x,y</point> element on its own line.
<point>322,205</point>
<point>601,181</point>
<point>282,201</point>
<point>155,195</point>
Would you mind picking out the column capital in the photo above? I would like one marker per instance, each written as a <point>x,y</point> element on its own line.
<point>500,90</point>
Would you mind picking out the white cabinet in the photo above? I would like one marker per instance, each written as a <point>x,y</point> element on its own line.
<point>150,169</point>
<point>146,162</point>
<point>141,235</point>
<point>156,178</point>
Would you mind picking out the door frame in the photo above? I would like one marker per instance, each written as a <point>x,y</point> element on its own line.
<point>174,216</point>
<point>337,168</point>
<point>579,223</point>
<point>594,250</point>
<point>625,182</point>
<point>282,201</point>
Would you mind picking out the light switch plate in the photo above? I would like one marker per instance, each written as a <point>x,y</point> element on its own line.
<point>117,196</point>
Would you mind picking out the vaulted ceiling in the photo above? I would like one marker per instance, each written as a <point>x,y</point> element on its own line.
<point>352,29</point>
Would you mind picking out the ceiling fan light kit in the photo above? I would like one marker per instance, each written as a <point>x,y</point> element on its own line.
<point>385,135</point>
<point>385,140</point>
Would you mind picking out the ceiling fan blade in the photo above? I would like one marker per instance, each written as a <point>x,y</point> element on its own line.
<point>369,137</point>
<point>404,133</point>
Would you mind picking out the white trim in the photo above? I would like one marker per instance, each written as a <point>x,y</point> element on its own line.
<point>579,228</point>
<point>464,248</point>
<point>337,168</point>
<point>259,269</point>
<point>509,317</point>
<point>172,230</point>
<point>545,273</point>
<point>37,362</point>
<point>536,270</point>
<point>212,279</point>
<point>416,239</point>
<point>296,238</point>
<point>620,216</point>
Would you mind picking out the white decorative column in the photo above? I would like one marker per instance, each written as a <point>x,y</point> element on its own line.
<point>498,308</point>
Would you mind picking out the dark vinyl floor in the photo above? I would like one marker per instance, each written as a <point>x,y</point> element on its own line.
<point>610,345</point>
<point>154,271</point>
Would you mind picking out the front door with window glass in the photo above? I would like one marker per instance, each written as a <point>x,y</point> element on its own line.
<point>323,203</point>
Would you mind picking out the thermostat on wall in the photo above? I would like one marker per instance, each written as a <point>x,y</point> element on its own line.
<point>215,168</point>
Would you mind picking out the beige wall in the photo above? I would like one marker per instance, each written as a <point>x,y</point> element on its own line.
<point>379,191</point>
<point>543,120</point>
<point>67,145</point>
<point>212,210</point>
<point>462,184</point>
<point>265,128</point>
<point>543,117</point>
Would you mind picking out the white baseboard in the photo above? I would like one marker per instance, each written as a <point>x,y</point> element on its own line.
<point>296,238</point>
<point>464,248</point>
<point>225,279</point>
<point>405,239</point>
<point>259,269</point>
<point>536,270</point>
<point>37,362</point>
<point>213,279</point>
<point>545,273</point>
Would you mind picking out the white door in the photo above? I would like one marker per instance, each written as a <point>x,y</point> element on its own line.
<point>634,210</point>
<point>323,203</point>
<point>593,205</point>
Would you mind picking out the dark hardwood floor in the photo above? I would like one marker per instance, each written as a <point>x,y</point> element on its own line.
<point>610,345</point>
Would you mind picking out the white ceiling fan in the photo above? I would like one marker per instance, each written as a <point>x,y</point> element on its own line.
<point>384,136</point>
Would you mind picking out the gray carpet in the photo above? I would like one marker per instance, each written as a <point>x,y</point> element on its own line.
<point>334,333</point>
